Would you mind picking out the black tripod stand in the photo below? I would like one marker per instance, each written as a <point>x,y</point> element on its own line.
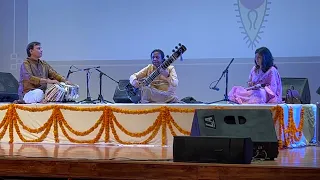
<point>88,99</point>
<point>100,97</point>
<point>226,97</point>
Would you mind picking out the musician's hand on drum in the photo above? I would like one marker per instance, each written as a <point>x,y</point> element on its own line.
<point>52,81</point>
<point>69,83</point>
<point>164,72</point>
<point>136,83</point>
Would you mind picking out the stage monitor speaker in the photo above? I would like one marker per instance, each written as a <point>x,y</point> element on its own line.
<point>212,150</point>
<point>242,123</point>
<point>8,87</point>
<point>299,84</point>
<point>120,95</point>
<point>318,91</point>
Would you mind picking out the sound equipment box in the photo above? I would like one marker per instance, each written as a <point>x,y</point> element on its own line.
<point>317,123</point>
<point>208,149</point>
<point>8,87</point>
<point>256,124</point>
<point>120,94</point>
<point>299,84</point>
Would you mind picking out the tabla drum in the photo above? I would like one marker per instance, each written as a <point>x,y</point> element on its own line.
<point>62,92</point>
<point>72,92</point>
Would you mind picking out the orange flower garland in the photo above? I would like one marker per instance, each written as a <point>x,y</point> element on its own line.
<point>289,133</point>
<point>278,117</point>
<point>292,130</point>
<point>108,121</point>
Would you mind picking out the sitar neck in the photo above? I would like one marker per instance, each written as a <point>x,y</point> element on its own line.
<point>165,64</point>
<point>156,73</point>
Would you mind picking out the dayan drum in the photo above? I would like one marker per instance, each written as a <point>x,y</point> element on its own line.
<point>62,92</point>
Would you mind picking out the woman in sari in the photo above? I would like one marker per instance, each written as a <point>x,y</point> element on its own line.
<point>264,85</point>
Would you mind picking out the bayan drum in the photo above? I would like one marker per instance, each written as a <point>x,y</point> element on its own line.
<point>72,92</point>
<point>62,92</point>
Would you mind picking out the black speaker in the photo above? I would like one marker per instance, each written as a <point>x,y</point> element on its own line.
<point>242,123</point>
<point>8,87</point>
<point>207,149</point>
<point>120,94</point>
<point>317,123</point>
<point>299,84</point>
<point>318,91</point>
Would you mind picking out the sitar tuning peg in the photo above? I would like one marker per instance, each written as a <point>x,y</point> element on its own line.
<point>167,56</point>
<point>180,44</point>
<point>173,50</point>
<point>176,47</point>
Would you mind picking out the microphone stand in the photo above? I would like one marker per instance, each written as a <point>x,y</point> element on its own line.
<point>88,99</point>
<point>226,74</point>
<point>67,78</point>
<point>100,97</point>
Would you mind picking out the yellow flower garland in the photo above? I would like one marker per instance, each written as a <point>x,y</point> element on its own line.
<point>292,130</point>
<point>289,133</point>
<point>108,121</point>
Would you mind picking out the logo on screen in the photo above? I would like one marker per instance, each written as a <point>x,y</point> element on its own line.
<point>210,122</point>
<point>252,15</point>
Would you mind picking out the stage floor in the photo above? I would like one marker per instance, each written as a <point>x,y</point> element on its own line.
<point>144,162</point>
<point>296,157</point>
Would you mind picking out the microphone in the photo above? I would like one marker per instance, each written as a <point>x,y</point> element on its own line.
<point>69,72</point>
<point>215,88</point>
<point>86,69</point>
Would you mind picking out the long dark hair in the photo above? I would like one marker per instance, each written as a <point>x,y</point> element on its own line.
<point>267,59</point>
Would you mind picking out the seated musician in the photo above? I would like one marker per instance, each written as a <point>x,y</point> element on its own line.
<point>35,74</point>
<point>163,87</point>
<point>264,85</point>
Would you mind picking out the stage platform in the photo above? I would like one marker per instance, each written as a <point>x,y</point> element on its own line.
<point>147,124</point>
<point>142,162</point>
<point>130,141</point>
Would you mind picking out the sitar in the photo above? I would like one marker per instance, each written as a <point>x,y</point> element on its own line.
<point>134,94</point>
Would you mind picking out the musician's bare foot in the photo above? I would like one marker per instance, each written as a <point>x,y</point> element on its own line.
<point>19,101</point>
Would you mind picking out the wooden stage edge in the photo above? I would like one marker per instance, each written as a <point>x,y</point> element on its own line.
<point>145,162</point>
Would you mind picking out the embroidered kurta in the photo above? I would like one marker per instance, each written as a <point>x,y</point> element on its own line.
<point>31,71</point>
<point>161,83</point>
<point>271,93</point>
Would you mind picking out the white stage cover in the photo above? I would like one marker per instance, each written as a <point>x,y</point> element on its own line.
<point>120,124</point>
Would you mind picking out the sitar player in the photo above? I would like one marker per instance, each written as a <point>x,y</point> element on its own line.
<point>163,88</point>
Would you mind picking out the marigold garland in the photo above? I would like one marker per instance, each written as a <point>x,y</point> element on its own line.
<point>140,134</point>
<point>40,139</point>
<point>279,117</point>
<point>5,128</point>
<point>92,141</point>
<point>289,133</point>
<point>154,133</point>
<point>108,121</point>
<point>164,115</point>
<point>291,129</point>
<point>55,127</point>
<point>5,107</point>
